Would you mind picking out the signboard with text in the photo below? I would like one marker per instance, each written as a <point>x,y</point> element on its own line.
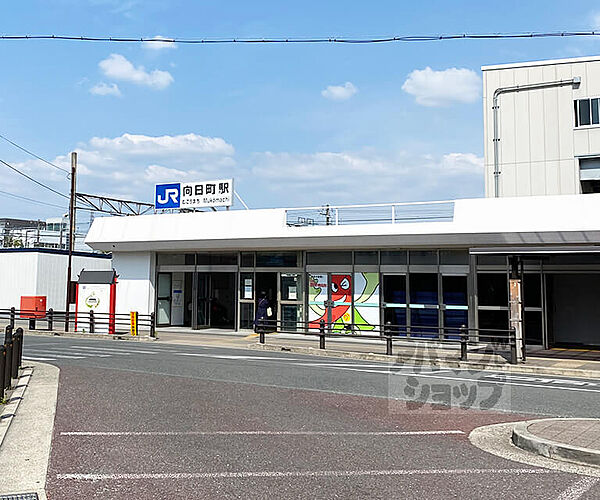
<point>217,193</point>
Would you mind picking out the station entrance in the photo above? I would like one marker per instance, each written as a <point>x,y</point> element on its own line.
<point>215,300</point>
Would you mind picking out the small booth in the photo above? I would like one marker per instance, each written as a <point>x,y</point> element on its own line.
<point>95,302</point>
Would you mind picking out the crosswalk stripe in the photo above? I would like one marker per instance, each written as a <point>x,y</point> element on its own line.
<point>119,351</point>
<point>31,358</point>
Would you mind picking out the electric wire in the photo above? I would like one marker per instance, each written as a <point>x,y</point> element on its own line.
<point>33,180</point>
<point>24,198</point>
<point>345,40</point>
<point>33,154</point>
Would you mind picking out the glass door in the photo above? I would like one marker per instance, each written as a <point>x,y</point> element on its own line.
<point>163,303</point>
<point>202,301</point>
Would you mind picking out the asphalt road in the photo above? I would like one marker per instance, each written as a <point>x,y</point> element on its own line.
<point>141,420</point>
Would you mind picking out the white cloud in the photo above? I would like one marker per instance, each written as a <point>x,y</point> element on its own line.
<point>339,92</point>
<point>441,88</point>
<point>105,89</point>
<point>369,176</point>
<point>158,45</point>
<point>595,20</point>
<point>117,67</point>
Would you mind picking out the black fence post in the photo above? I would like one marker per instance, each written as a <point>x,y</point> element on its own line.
<point>20,334</point>
<point>152,325</point>
<point>8,364</point>
<point>261,333</point>
<point>50,318</point>
<point>387,331</point>
<point>322,334</point>
<point>32,323</point>
<point>14,369</point>
<point>12,317</point>
<point>512,339</point>
<point>464,339</point>
<point>92,322</point>
<point>2,370</point>
<point>66,321</point>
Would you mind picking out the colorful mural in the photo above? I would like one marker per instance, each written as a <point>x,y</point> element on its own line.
<point>341,295</point>
<point>366,301</point>
<point>318,285</point>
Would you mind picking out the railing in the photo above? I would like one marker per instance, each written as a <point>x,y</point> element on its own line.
<point>388,213</point>
<point>11,356</point>
<point>503,342</point>
<point>120,324</point>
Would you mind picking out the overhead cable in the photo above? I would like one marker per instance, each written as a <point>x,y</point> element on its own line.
<point>329,39</point>
<point>33,154</point>
<point>33,180</point>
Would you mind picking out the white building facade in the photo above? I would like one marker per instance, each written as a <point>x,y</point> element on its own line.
<point>423,269</point>
<point>548,127</point>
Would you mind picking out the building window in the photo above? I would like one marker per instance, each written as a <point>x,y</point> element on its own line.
<point>587,112</point>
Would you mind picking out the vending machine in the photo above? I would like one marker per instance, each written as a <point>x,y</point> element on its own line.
<point>96,293</point>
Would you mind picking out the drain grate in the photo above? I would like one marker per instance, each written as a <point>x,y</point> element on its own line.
<point>20,496</point>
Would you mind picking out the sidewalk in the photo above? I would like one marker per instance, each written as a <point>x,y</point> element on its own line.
<point>404,352</point>
<point>569,439</point>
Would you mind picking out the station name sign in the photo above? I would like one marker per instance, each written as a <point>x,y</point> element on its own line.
<point>194,194</point>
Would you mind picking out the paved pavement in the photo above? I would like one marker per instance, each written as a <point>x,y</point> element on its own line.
<point>167,420</point>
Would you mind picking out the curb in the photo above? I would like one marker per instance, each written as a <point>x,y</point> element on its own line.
<point>522,438</point>
<point>11,408</point>
<point>96,336</point>
<point>442,363</point>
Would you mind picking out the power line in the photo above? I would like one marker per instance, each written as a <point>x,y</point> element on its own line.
<point>278,40</point>
<point>33,180</point>
<point>33,154</point>
<point>24,198</point>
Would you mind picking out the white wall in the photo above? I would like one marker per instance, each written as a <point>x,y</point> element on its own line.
<point>37,273</point>
<point>539,144</point>
<point>135,281</point>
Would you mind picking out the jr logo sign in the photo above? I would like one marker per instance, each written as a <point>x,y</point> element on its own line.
<point>167,196</point>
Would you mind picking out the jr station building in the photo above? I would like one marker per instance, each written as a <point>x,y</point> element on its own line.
<point>416,265</point>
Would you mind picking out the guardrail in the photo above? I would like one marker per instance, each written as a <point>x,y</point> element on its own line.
<point>133,324</point>
<point>11,357</point>
<point>501,341</point>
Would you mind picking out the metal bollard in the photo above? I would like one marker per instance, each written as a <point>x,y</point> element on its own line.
<point>322,334</point>
<point>152,326</point>
<point>20,354</point>
<point>92,322</point>
<point>50,318</point>
<point>14,369</point>
<point>2,369</point>
<point>261,334</point>
<point>12,317</point>
<point>8,360</point>
<point>32,323</point>
<point>464,339</point>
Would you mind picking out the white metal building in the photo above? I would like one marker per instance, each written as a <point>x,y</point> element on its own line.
<point>41,271</point>
<point>548,132</point>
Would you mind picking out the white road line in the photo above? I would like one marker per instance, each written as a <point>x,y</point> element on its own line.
<point>260,433</point>
<point>68,353</point>
<point>64,356</point>
<point>104,349</point>
<point>578,489</point>
<point>31,358</point>
<point>319,473</point>
<point>232,357</point>
<point>474,380</point>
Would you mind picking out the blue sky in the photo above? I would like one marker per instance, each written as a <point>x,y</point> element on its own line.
<point>293,124</point>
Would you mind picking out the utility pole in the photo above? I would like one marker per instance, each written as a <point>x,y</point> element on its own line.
<point>71,233</point>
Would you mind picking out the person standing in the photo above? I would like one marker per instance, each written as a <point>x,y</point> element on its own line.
<point>261,318</point>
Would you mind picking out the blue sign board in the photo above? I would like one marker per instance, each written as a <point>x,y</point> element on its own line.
<point>167,196</point>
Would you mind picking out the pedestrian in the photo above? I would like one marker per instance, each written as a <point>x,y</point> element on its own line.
<point>262,313</point>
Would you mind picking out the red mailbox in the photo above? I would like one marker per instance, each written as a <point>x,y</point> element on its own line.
<point>33,306</point>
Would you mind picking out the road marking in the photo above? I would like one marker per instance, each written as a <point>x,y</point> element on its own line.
<point>31,358</point>
<point>55,353</point>
<point>233,357</point>
<point>319,473</point>
<point>112,351</point>
<point>544,380</point>
<point>65,356</point>
<point>578,489</point>
<point>260,433</point>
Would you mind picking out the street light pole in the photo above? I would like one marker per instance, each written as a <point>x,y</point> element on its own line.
<point>71,234</point>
